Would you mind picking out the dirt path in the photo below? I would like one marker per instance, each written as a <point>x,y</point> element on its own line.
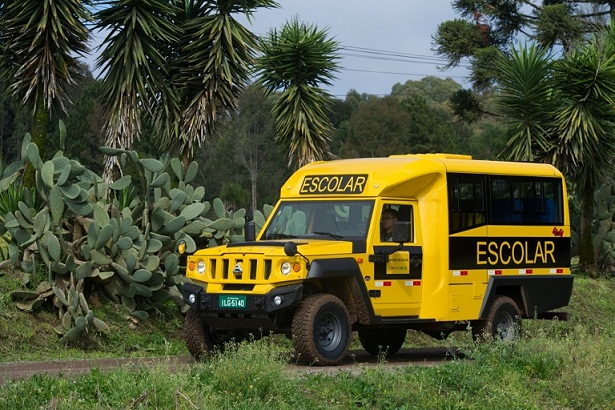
<point>354,363</point>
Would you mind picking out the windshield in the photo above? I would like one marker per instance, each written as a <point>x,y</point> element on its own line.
<point>323,219</point>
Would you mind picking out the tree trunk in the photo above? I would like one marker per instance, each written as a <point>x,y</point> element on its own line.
<point>254,193</point>
<point>587,256</point>
<point>40,129</point>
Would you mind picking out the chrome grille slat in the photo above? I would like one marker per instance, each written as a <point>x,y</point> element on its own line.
<point>254,269</point>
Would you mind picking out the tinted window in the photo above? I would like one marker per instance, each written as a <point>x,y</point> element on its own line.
<point>466,196</point>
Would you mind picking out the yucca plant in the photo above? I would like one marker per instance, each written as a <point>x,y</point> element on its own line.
<point>297,60</point>
<point>41,43</point>
<point>564,112</point>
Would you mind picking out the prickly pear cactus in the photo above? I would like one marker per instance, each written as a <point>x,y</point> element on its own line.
<point>604,237</point>
<point>83,230</point>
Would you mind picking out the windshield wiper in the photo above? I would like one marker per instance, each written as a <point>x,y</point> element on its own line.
<point>330,235</point>
<point>279,236</point>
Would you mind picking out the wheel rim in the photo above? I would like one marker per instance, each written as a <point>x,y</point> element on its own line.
<point>504,326</point>
<point>328,332</point>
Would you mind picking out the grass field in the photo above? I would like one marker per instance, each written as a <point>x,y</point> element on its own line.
<point>556,365</point>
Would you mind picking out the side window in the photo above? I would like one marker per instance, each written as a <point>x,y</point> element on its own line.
<point>526,200</point>
<point>392,213</point>
<point>466,201</point>
<point>553,209</point>
<point>507,207</point>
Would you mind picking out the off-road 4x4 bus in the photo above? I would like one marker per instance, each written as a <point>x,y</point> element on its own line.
<point>475,244</point>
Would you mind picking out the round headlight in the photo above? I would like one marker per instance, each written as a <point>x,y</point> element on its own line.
<point>286,268</point>
<point>192,298</point>
<point>200,267</point>
<point>277,300</point>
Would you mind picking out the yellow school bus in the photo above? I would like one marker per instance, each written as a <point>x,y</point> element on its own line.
<point>433,242</point>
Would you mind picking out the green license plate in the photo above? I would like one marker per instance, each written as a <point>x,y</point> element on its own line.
<point>232,301</point>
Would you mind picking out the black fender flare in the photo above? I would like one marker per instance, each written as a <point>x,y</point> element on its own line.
<point>538,293</point>
<point>343,268</point>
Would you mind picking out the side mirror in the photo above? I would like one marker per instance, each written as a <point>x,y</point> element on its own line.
<point>401,231</point>
<point>249,231</point>
<point>290,249</point>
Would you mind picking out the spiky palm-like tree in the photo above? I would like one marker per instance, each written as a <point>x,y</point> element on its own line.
<point>215,68</point>
<point>183,61</point>
<point>567,118</point>
<point>134,69</point>
<point>526,101</point>
<point>297,60</point>
<point>40,42</point>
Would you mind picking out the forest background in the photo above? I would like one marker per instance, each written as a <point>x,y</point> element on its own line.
<point>415,118</point>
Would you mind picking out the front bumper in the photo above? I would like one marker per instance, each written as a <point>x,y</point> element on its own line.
<point>261,311</point>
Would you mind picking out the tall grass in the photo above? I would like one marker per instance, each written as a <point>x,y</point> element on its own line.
<point>556,365</point>
<point>574,371</point>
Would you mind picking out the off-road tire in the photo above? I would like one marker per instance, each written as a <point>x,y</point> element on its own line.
<point>321,330</point>
<point>382,341</point>
<point>503,321</point>
<point>197,336</point>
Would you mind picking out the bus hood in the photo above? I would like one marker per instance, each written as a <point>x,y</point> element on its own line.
<point>307,247</point>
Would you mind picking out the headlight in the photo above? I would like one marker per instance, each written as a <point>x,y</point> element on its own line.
<point>200,267</point>
<point>192,298</point>
<point>286,268</point>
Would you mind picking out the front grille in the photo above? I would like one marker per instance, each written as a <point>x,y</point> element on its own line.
<point>239,269</point>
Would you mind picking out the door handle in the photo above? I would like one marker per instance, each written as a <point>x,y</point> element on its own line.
<point>416,261</point>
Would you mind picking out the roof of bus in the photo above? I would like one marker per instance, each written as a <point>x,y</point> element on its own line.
<point>386,176</point>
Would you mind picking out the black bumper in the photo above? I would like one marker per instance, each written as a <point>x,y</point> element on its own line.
<point>260,311</point>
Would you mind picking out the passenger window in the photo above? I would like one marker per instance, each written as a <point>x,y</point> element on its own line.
<point>525,200</point>
<point>466,196</point>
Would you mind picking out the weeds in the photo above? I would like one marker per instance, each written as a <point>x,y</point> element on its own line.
<point>566,365</point>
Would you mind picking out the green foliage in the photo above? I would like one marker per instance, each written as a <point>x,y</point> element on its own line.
<point>466,106</point>
<point>483,65</point>
<point>435,90</point>
<point>297,60</point>
<point>91,234</point>
<point>40,49</point>
<point>604,236</point>
<point>457,39</point>
<point>235,194</point>
<point>556,25</point>
<point>526,101</point>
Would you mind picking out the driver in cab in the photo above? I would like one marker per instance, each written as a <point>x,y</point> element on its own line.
<point>389,217</point>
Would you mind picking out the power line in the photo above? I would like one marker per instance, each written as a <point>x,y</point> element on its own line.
<point>409,74</point>
<point>373,51</point>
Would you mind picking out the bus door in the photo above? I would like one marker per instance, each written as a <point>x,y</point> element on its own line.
<point>396,285</point>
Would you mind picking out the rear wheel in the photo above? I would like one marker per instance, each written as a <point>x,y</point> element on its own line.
<point>377,341</point>
<point>503,321</point>
<point>321,330</point>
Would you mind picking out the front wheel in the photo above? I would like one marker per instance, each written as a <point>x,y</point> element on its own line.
<point>321,330</point>
<point>503,321</point>
<point>197,335</point>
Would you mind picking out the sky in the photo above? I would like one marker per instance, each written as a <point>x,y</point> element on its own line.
<point>383,42</point>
